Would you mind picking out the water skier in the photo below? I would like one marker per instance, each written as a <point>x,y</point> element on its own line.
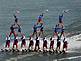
<point>65,45</point>
<point>31,43</point>
<point>23,41</point>
<point>51,43</point>
<point>7,41</point>
<point>44,44</point>
<point>15,42</point>
<point>37,44</point>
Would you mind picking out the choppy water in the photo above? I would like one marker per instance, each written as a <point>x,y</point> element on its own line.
<point>30,9</point>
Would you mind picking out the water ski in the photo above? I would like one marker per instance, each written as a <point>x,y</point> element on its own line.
<point>15,50</point>
<point>6,50</point>
<point>63,51</point>
<point>24,50</point>
<point>45,50</point>
<point>51,51</point>
<point>2,50</point>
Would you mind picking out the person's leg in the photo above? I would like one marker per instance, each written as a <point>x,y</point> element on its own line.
<point>25,44</point>
<point>29,46</point>
<point>8,44</point>
<point>38,47</point>
<point>59,46</point>
<point>35,47</point>
<point>50,46</point>
<point>66,46</point>
<point>14,34</point>
<point>63,34</point>
<point>33,34</point>
<point>46,46</point>
<point>55,34</point>
<point>13,45</point>
<point>41,32</point>
<point>36,33</point>
<point>16,45</point>
<point>21,45</point>
<point>10,34</point>
<point>43,46</point>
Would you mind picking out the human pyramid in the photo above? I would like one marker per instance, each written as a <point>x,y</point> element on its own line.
<point>34,39</point>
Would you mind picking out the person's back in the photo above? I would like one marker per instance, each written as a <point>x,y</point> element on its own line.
<point>16,23</point>
<point>44,43</point>
<point>35,28</point>
<point>40,19</point>
<point>15,42</point>
<point>57,30</point>
<point>41,27</point>
<point>31,42</point>
<point>16,19</point>
<point>37,44</point>
<point>51,43</point>
<point>62,33</point>
<point>12,28</point>
<point>58,43</point>
<point>65,43</point>
<point>7,41</point>
<point>61,18</point>
<point>37,41</point>
<point>23,41</point>
<point>61,23</point>
<point>19,28</point>
<point>12,31</point>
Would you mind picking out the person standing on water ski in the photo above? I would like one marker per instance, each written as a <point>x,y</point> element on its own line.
<point>23,38</point>
<point>65,44</point>
<point>37,44</point>
<point>44,44</point>
<point>15,42</point>
<point>31,43</point>
<point>7,41</point>
<point>51,43</point>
